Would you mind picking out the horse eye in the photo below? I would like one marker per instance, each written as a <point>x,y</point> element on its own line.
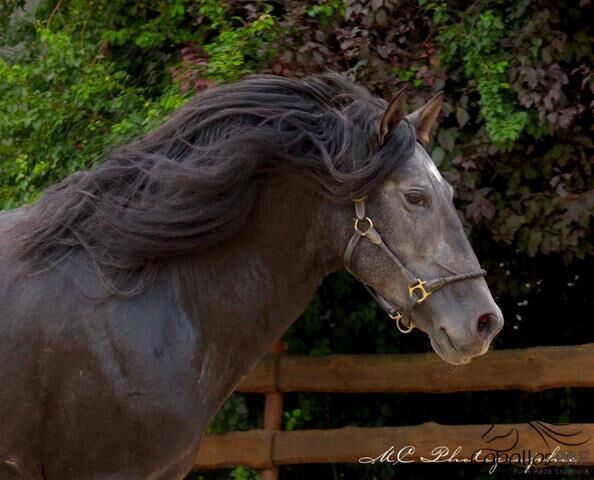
<point>416,198</point>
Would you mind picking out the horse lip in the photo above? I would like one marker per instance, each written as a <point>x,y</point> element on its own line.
<point>452,343</point>
<point>462,359</point>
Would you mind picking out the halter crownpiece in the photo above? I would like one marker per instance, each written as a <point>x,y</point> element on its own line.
<point>418,290</point>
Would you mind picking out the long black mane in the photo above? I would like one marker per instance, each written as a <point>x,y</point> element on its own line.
<point>192,182</point>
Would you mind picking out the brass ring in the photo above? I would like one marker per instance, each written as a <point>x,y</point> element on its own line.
<point>398,317</point>
<point>361,232</point>
<point>401,329</point>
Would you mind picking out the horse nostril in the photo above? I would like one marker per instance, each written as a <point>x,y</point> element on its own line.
<point>485,324</point>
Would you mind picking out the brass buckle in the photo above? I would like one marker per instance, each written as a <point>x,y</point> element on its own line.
<point>420,285</point>
<point>369,228</point>
<point>398,318</point>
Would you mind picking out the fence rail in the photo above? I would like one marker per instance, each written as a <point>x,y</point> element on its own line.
<point>263,448</point>
<point>531,369</point>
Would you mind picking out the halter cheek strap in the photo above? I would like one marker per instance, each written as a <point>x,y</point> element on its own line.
<point>418,290</point>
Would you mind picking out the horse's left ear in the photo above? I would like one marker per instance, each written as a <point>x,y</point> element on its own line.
<point>393,115</point>
<point>424,118</point>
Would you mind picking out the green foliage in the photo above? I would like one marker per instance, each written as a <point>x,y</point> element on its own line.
<point>478,40</point>
<point>60,110</point>
<point>65,98</point>
<point>11,25</point>
<point>164,27</point>
<point>236,45</point>
<point>519,58</point>
<point>241,473</point>
<point>325,11</point>
<point>232,416</point>
<point>297,418</point>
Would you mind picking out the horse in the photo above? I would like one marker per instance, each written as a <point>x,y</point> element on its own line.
<point>136,294</point>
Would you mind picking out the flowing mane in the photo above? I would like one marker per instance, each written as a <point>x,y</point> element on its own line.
<point>192,183</point>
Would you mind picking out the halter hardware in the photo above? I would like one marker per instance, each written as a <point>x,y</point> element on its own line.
<point>418,290</point>
<point>397,317</point>
<point>420,285</point>
<point>369,227</point>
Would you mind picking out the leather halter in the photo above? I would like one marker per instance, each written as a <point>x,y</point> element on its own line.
<point>418,290</point>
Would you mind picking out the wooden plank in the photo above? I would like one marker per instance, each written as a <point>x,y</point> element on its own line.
<point>252,448</point>
<point>530,369</point>
<point>261,379</point>
<point>462,443</point>
<point>349,445</point>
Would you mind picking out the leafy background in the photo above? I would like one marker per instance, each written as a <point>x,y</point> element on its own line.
<point>515,140</point>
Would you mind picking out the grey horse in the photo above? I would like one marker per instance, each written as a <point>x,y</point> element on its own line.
<point>136,295</point>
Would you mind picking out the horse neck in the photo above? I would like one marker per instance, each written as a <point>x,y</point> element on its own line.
<point>242,295</point>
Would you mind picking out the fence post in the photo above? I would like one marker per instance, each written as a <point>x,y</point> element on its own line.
<point>273,409</point>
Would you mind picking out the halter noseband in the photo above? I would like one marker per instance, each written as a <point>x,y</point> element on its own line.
<point>418,290</point>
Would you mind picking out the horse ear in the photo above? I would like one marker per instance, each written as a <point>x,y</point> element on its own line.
<point>394,114</point>
<point>424,118</point>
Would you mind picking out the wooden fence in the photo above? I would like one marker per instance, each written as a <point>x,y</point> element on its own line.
<point>531,369</point>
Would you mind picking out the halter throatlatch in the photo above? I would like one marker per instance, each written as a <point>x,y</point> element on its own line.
<point>418,290</point>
